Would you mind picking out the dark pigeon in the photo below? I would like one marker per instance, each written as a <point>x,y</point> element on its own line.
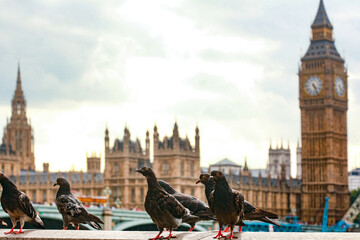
<point>72,209</point>
<point>163,208</point>
<point>196,207</point>
<point>18,206</point>
<point>250,212</point>
<point>227,204</point>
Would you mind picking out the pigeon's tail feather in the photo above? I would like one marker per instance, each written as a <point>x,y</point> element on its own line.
<point>37,222</point>
<point>269,214</point>
<point>258,214</point>
<point>94,225</point>
<point>267,220</point>
<point>191,218</point>
<point>93,218</point>
<point>206,215</point>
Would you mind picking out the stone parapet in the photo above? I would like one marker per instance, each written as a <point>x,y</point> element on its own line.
<point>136,235</point>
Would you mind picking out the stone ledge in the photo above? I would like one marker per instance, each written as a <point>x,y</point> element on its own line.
<point>122,235</point>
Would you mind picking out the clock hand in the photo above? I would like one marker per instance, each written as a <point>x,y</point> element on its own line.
<point>314,87</point>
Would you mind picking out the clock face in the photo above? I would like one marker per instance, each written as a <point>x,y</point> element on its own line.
<point>339,86</point>
<point>313,85</point>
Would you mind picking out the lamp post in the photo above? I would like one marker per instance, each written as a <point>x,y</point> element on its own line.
<point>107,193</point>
<point>117,202</point>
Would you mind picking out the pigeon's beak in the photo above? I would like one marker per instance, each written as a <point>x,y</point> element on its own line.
<point>198,181</point>
<point>138,170</point>
<point>4,223</point>
<point>55,184</point>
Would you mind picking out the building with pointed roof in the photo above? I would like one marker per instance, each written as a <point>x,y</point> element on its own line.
<point>226,166</point>
<point>18,138</point>
<point>323,101</point>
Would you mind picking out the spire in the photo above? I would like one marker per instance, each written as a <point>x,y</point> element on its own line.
<point>321,19</point>
<point>322,42</point>
<point>18,81</point>
<point>18,90</point>
<point>245,165</point>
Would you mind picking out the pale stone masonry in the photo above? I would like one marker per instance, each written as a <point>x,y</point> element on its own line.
<point>136,235</point>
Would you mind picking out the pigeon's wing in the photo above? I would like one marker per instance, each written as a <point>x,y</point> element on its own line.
<point>26,206</point>
<point>169,203</point>
<point>211,201</point>
<point>70,205</point>
<point>191,202</point>
<point>248,207</point>
<point>238,202</point>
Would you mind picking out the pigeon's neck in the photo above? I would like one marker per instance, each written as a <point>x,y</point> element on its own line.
<point>8,186</point>
<point>209,187</point>
<point>63,190</point>
<point>223,185</point>
<point>152,183</point>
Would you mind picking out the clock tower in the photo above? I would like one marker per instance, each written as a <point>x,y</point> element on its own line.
<point>323,104</point>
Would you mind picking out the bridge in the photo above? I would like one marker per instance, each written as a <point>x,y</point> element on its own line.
<point>116,219</point>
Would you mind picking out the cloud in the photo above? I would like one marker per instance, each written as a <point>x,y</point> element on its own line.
<point>230,67</point>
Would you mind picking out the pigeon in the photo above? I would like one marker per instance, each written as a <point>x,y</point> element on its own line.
<point>18,206</point>
<point>250,212</point>
<point>163,208</point>
<point>227,204</point>
<point>72,209</point>
<point>196,207</point>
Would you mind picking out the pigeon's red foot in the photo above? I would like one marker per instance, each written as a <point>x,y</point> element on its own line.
<point>77,227</point>
<point>219,235</point>
<point>11,231</point>
<point>240,228</point>
<point>157,237</point>
<point>231,236</point>
<point>226,229</point>
<point>170,236</point>
<point>192,228</point>
<point>20,231</point>
<point>65,228</point>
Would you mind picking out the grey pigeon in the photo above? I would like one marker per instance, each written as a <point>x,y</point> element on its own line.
<point>163,208</point>
<point>71,208</point>
<point>196,207</point>
<point>227,204</point>
<point>18,206</point>
<point>250,212</point>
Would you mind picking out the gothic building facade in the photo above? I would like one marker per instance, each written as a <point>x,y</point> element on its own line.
<point>278,157</point>
<point>323,104</point>
<point>17,148</point>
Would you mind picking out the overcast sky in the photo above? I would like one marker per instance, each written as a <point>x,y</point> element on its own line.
<point>229,67</point>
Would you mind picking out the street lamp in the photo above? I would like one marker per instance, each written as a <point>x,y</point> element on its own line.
<point>117,202</point>
<point>107,193</point>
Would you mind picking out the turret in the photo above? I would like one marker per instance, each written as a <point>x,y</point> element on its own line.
<point>147,144</point>
<point>107,140</point>
<point>156,137</point>
<point>176,136</point>
<point>197,140</point>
